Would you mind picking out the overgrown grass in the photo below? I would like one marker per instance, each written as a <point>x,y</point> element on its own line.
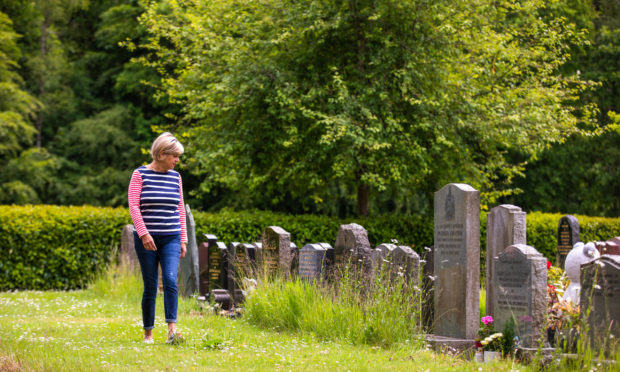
<point>352,308</point>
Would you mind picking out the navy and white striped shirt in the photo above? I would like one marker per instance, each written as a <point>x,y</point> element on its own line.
<point>156,203</point>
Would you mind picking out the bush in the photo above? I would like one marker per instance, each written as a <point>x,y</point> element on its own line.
<point>52,247</point>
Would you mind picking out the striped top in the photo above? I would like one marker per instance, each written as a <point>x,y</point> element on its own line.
<point>156,203</point>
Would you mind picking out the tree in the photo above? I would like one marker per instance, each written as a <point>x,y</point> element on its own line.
<point>16,105</point>
<point>298,98</point>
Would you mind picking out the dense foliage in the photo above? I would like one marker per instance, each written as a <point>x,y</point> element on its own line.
<point>306,107</point>
<point>325,99</point>
<point>45,247</point>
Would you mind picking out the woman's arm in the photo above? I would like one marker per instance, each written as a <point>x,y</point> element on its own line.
<point>135,190</point>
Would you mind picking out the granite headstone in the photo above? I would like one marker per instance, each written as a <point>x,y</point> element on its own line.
<point>189,272</point>
<point>600,301</point>
<point>520,282</point>
<point>506,226</point>
<point>457,261</point>
<point>568,235</point>
<point>312,262</point>
<point>276,250</point>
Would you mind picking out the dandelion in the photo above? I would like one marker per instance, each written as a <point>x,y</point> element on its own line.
<point>422,261</point>
<point>427,249</point>
<point>431,277</point>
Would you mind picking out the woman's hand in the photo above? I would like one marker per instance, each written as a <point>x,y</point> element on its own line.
<point>148,243</point>
<point>183,249</point>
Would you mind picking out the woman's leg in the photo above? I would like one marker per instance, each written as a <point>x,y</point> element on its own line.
<point>148,265</point>
<point>169,251</point>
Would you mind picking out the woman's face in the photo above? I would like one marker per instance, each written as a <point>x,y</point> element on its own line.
<point>169,161</point>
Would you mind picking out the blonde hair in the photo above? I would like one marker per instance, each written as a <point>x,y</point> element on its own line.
<point>167,144</point>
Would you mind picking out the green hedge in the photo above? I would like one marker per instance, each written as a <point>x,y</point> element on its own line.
<point>51,247</point>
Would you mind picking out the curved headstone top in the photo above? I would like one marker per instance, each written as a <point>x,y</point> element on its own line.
<point>523,249</point>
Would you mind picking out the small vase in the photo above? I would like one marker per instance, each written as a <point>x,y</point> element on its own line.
<point>491,355</point>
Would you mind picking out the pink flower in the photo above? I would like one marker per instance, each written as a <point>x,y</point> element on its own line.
<point>487,320</point>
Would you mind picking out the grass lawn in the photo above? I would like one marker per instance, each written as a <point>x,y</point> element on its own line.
<point>101,329</point>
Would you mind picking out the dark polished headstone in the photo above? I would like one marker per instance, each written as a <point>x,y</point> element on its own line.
<point>312,262</point>
<point>218,266</point>
<point>236,259</point>
<point>568,235</point>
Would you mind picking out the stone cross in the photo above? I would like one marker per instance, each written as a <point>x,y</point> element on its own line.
<point>189,272</point>
<point>457,261</point>
<point>505,227</point>
<point>568,235</point>
<point>520,282</point>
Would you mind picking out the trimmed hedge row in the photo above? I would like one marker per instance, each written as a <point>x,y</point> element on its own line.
<point>53,247</point>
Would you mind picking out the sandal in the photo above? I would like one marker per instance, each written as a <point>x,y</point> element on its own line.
<point>175,338</point>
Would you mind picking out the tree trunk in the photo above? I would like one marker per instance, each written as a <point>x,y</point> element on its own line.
<point>363,200</point>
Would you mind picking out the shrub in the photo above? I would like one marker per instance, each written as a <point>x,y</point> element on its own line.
<point>50,247</point>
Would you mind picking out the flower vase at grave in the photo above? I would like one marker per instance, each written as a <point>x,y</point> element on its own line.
<point>490,356</point>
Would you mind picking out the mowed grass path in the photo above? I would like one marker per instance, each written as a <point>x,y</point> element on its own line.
<point>101,329</point>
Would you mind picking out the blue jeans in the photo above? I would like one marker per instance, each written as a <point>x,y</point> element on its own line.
<point>167,254</point>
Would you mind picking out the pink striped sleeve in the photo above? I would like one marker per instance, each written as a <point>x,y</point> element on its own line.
<point>135,189</point>
<point>182,213</point>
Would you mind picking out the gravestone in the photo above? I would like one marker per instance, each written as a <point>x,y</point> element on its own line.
<point>353,248</point>
<point>428,287</point>
<point>568,235</point>
<point>203,267</point>
<point>600,296</point>
<point>294,258</point>
<point>521,292</point>
<point>217,263</point>
<point>276,250</point>
<point>457,261</point>
<point>189,272</point>
<point>505,227</point>
<point>236,259</point>
<point>611,247</point>
<point>252,260</point>
<point>330,258</point>
<point>312,262</point>
<point>400,259</point>
<point>128,255</point>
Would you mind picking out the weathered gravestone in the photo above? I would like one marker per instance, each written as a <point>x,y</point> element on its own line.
<point>520,282</point>
<point>568,235</point>
<point>600,301</point>
<point>189,272</point>
<point>401,260</point>
<point>128,255</point>
<point>505,227</point>
<point>276,250</point>
<point>457,262</point>
<point>312,262</point>
<point>353,248</point>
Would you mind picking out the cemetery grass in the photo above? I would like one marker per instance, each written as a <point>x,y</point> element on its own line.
<point>100,329</point>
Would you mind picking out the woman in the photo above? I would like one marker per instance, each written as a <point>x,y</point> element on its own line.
<point>158,214</point>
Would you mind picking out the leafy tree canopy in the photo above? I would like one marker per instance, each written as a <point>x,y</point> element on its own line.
<point>311,101</point>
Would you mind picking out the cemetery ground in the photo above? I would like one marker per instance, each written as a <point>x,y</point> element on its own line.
<point>100,329</point>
